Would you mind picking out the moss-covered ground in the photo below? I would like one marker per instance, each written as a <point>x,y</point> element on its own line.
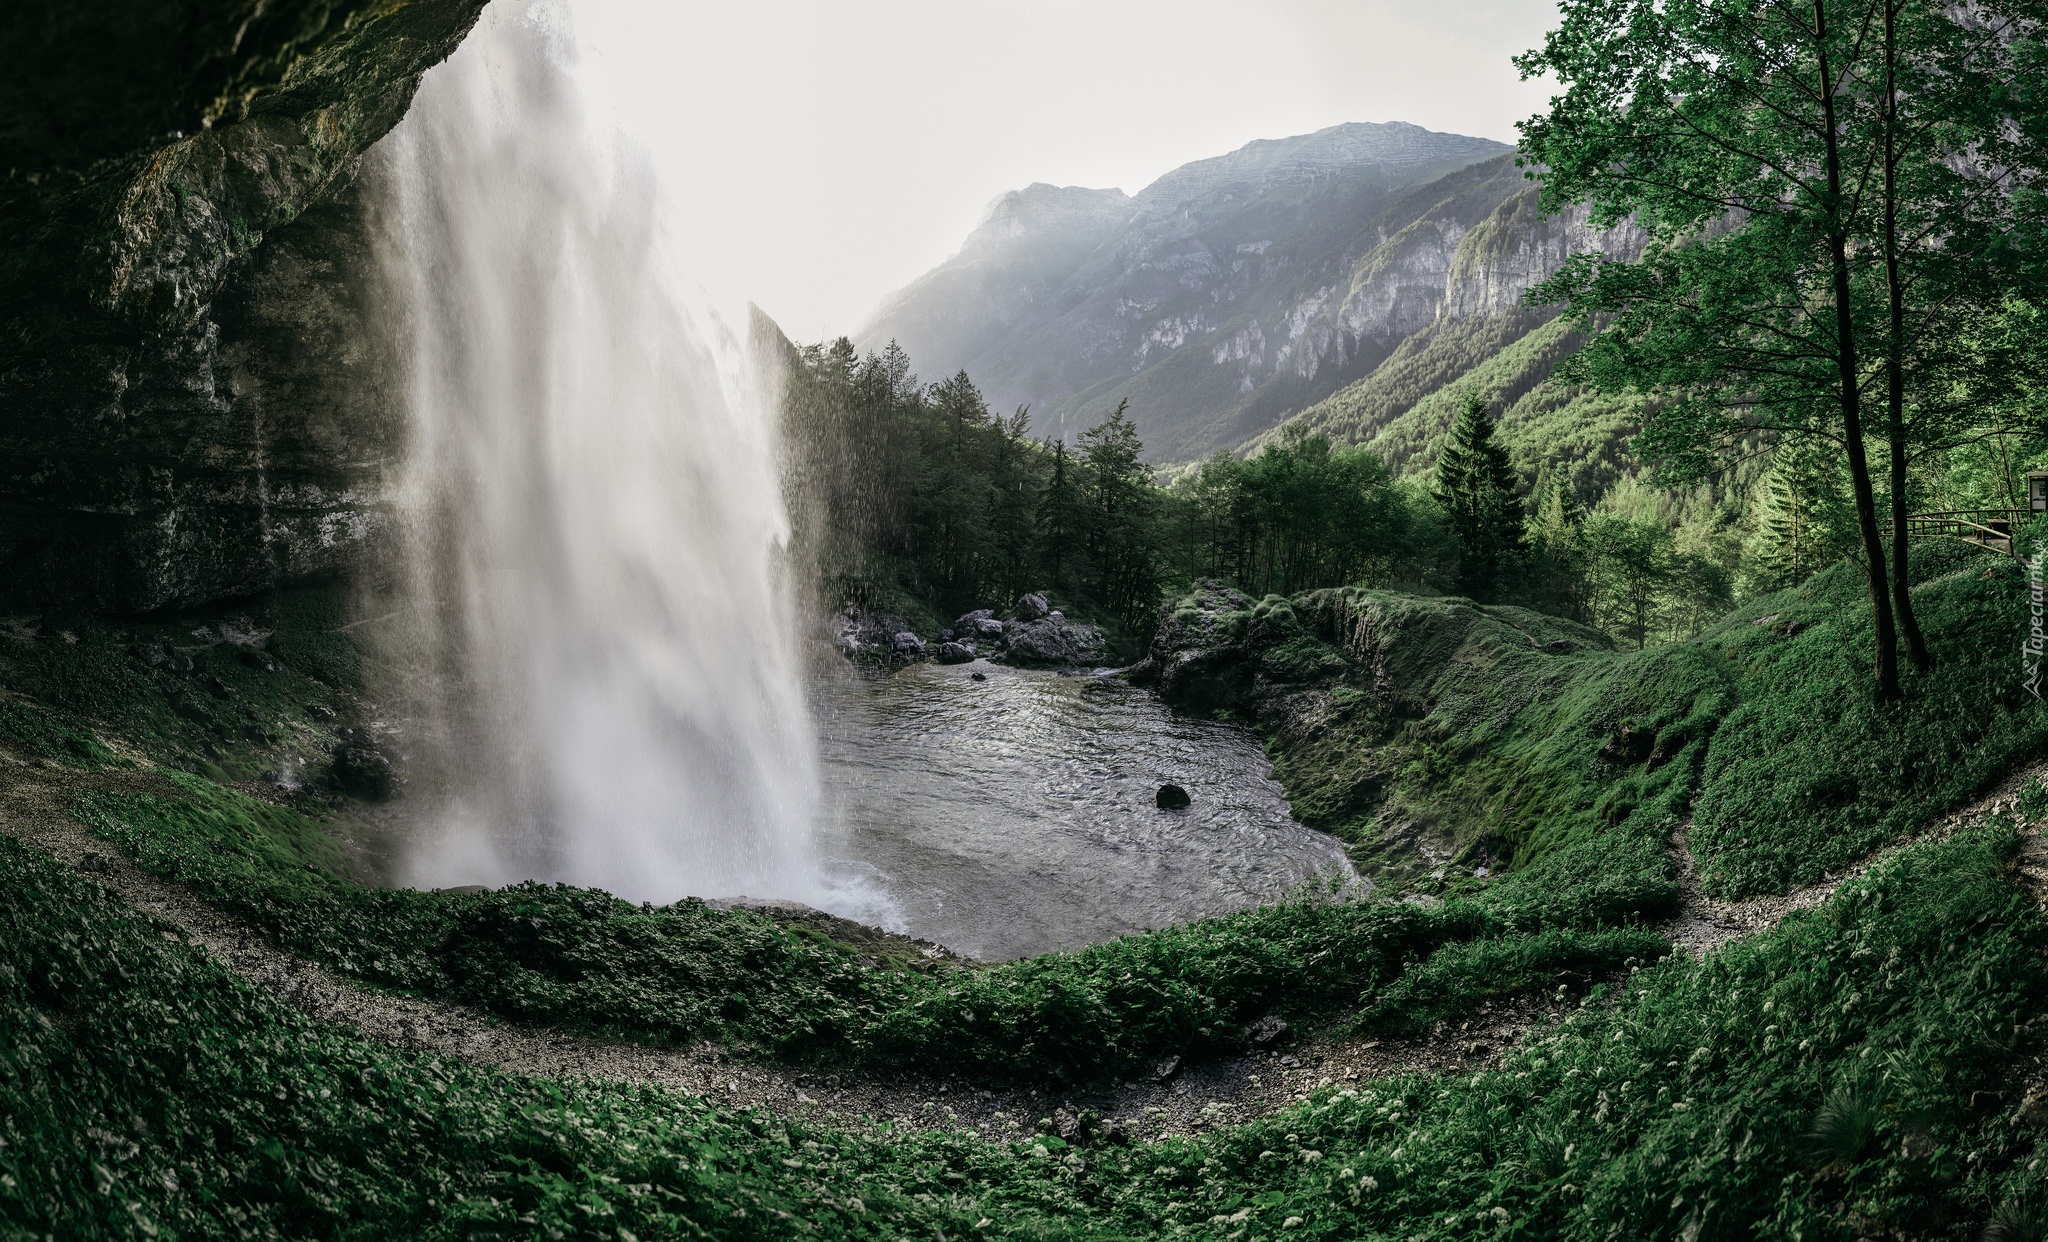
<point>584,959</point>
<point>1855,1072</point>
<point>1864,1069</point>
<point>228,694</point>
<point>1516,738</point>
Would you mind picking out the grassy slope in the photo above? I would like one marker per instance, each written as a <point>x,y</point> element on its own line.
<point>1765,734</point>
<point>1823,1080</point>
<point>581,958</point>
<point>1403,410</point>
<point>1843,1107</point>
<point>174,690</point>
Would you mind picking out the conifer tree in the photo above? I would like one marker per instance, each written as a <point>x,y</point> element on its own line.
<point>1558,552</point>
<point>1807,522</point>
<point>1059,506</point>
<point>1118,533</point>
<point>1475,486</point>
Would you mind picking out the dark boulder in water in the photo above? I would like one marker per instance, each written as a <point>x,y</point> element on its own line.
<point>954,653</point>
<point>978,677</point>
<point>1051,641</point>
<point>980,624</point>
<point>1173,798</point>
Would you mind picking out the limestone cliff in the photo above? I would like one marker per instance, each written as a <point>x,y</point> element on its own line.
<point>190,407</point>
<point>1210,302</point>
<point>1243,290</point>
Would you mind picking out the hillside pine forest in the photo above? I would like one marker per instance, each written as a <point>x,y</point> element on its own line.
<point>1627,549</point>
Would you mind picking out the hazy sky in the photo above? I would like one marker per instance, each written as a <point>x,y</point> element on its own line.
<point>826,152</point>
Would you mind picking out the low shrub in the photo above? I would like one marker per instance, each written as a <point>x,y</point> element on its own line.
<point>584,959</point>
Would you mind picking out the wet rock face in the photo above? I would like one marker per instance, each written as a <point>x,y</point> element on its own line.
<point>193,406</point>
<point>1050,641</point>
<point>361,767</point>
<point>876,638</point>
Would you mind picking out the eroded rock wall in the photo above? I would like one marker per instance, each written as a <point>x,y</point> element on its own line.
<point>192,406</point>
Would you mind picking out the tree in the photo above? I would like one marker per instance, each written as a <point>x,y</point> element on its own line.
<point>1475,486</point>
<point>1558,581</point>
<point>1786,158</point>
<point>1630,566</point>
<point>1118,534</point>
<point>1059,517</point>
<point>1806,522</point>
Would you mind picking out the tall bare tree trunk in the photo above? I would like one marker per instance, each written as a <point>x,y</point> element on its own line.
<point>1895,352</point>
<point>1846,367</point>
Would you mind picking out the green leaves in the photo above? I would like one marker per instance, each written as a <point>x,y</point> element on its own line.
<point>1475,486</point>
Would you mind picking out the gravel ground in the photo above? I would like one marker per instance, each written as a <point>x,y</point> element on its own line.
<point>1704,923</point>
<point>1176,1100</point>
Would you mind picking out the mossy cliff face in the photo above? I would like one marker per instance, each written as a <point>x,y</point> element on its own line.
<point>191,406</point>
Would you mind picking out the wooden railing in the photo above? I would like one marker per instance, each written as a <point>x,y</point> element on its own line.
<point>1989,528</point>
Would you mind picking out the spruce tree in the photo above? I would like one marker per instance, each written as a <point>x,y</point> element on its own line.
<point>1475,486</point>
<point>1557,548</point>
<point>1118,533</point>
<point>1059,508</point>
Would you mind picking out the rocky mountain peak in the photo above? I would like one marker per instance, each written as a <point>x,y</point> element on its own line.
<point>1040,210</point>
<point>1396,149</point>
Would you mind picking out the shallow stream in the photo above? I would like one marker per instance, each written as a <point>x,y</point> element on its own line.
<point>1015,815</point>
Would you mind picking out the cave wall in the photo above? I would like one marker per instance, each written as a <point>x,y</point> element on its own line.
<point>192,403</point>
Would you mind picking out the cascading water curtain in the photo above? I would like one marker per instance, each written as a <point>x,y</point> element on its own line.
<point>605,681</point>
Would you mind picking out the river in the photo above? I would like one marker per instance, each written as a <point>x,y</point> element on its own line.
<point>1015,815</point>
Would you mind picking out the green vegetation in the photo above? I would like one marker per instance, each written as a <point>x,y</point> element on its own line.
<point>220,695</point>
<point>917,499</point>
<point>1475,487</point>
<point>1517,736</point>
<point>1299,514</point>
<point>1815,246</point>
<point>1866,1068</point>
<point>1847,1072</point>
<point>581,958</point>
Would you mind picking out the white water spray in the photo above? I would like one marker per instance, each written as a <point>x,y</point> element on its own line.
<point>601,637</point>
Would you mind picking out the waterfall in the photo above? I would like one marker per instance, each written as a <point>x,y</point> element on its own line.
<point>600,667</point>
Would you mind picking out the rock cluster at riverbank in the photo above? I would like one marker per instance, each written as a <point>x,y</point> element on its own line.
<point>1032,634</point>
<point>1342,681</point>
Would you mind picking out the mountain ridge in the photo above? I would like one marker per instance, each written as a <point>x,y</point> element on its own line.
<point>1245,291</point>
<point>1214,246</point>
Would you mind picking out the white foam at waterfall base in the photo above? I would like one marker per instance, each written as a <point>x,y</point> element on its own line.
<point>600,663</point>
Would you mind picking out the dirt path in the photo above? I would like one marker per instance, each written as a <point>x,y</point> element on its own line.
<point>34,802</point>
<point>1704,923</point>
